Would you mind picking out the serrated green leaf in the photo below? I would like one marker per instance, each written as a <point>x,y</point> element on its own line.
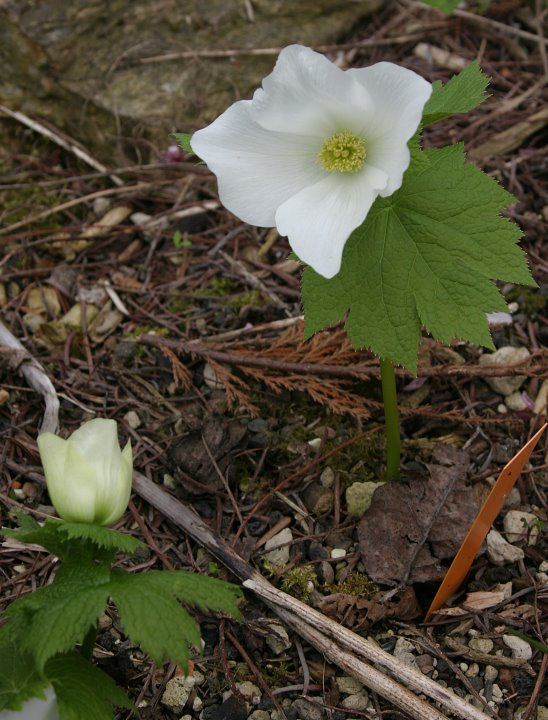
<point>57,536</point>
<point>184,142</point>
<point>427,255</point>
<point>462,93</point>
<point>19,676</point>
<point>102,537</point>
<point>153,618</point>
<point>200,591</point>
<point>83,691</point>
<point>446,6</point>
<point>68,607</point>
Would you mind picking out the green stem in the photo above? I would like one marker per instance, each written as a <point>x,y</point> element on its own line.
<point>392,421</point>
<point>86,650</point>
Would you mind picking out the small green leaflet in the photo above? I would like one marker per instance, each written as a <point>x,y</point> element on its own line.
<point>57,536</point>
<point>184,142</point>
<point>462,93</point>
<point>427,255</point>
<point>19,676</point>
<point>446,6</point>
<point>83,691</point>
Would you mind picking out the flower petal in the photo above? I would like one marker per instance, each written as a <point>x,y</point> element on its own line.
<point>310,95</point>
<point>257,170</point>
<point>118,501</point>
<point>399,96</point>
<point>74,494</point>
<point>319,220</point>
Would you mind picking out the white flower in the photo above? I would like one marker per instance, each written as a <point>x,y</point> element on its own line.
<point>88,477</point>
<point>314,148</point>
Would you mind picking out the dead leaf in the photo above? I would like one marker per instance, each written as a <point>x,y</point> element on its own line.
<point>361,611</point>
<point>413,525</point>
<point>190,453</point>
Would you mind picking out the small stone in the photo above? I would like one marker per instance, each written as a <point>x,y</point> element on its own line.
<point>101,205</point>
<point>425,663</point>
<point>278,548</point>
<point>403,645</point>
<point>484,645</point>
<point>520,525</point>
<point>542,712</point>
<point>490,673</point>
<point>177,691</point>
<point>327,478</point>
<point>250,692</point>
<point>211,379</point>
<point>277,638</point>
<point>497,692</point>
<point>519,648</point>
<point>307,710</point>
<point>501,552</point>
<point>502,409</point>
<point>259,715</point>
<point>338,553</point>
<point>132,419</point>
<point>473,670</point>
<point>358,701</point>
<point>315,443</point>
<point>318,499</point>
<point>505,356</point>
<point>513,499</point>
<point>463,666</point>
<point>198,704</point>
<point>543,567</point>
<point>516,402</point>
<point>358,497</point>
<point>348,685</point>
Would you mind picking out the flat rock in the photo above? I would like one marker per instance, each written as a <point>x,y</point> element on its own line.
<point>358,497</point>
<point>86,67</point>
<point>349,685</point>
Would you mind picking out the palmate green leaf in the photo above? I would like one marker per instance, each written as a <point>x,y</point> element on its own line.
<point>154,619</point>
<point>83,691</point>
<point>19,676</point>
<point>462,93</point>
<point>152,616</point>
<point>427,255</point>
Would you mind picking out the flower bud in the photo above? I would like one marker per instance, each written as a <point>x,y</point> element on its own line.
<point>88,476</point>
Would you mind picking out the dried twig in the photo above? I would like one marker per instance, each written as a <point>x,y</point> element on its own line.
<point>66,143</point>
<point>19,358</point>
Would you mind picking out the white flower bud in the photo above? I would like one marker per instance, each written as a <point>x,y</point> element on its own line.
<point>88,476</point>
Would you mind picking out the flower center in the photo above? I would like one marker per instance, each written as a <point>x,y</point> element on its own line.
<point>343,152</point>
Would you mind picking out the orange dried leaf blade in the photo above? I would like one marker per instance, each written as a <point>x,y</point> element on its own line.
<point>485,518</point>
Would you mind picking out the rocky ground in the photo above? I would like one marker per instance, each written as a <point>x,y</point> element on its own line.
<point>147,302</point>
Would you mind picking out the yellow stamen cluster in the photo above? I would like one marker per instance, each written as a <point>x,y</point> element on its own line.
<point>343,152</point>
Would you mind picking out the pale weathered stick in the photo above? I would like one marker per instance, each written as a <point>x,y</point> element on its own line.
<point>58,139</point>
<point>332,633</point>
<point>20,359</point>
